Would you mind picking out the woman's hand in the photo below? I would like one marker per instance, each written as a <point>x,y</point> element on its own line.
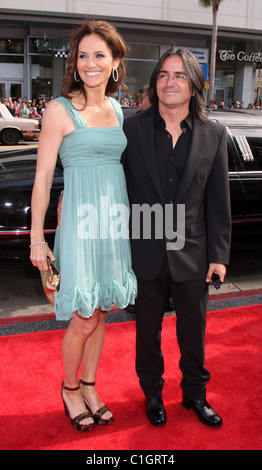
<point>39,254</point>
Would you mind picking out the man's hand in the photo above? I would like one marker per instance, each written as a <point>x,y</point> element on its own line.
<point>216,268</point>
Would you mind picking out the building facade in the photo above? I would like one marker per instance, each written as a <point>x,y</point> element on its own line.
<point>34,43</point>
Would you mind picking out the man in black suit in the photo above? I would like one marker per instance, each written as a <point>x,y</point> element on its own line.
<point>176,161</point>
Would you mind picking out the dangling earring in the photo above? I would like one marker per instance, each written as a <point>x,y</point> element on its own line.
<point>115,74</point>
<point>79,80</point>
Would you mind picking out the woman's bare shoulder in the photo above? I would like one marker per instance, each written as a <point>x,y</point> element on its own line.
<point>53,106</point>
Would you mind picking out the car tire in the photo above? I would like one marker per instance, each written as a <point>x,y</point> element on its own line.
<point>10,136</point>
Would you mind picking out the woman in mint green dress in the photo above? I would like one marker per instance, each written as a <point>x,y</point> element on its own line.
<point>92,247</point>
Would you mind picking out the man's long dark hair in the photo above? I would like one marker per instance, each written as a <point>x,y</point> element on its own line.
<point>195,76</point>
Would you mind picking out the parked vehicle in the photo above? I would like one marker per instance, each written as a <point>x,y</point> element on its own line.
<point>13,129</point>
<point>17,171</point>
<point>245,174</point>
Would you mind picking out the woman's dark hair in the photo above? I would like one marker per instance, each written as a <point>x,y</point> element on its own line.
<point>195,76</point>
<point>114,41</point>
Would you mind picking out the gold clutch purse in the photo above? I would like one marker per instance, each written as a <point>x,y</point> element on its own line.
<point>50,280</point>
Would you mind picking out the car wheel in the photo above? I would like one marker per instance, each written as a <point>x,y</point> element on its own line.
<point>10,137</point>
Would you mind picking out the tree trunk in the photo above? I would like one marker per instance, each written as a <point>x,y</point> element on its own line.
<point>213,55</point>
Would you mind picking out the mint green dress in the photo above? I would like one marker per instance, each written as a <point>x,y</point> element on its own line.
<point>92,247</point>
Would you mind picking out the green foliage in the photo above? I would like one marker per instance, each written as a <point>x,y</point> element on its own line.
<point>208,3</point>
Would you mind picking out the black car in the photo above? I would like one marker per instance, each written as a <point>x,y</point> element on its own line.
<point>17,171</point>
<point>245,174</point>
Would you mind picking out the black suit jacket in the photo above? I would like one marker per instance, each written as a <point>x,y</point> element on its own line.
<point>203,192</point>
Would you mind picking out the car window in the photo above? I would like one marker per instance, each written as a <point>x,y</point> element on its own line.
<point>249,143</point>
<point>22,168</point>
<point>256,148</point>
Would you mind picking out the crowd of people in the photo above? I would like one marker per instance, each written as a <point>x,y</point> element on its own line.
<point>236,105</point>
<point>22,107</point>
<point>35,108</point>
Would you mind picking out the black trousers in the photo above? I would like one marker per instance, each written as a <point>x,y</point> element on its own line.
<point>190,301</point>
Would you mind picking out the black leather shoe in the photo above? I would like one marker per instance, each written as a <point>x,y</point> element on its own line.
<point>205,413</point>
<point>155,411</point>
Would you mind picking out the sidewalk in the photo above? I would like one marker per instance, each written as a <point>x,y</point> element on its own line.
<point>22,294</point>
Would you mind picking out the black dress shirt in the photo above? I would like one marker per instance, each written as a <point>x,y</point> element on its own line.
<point>171,160</point>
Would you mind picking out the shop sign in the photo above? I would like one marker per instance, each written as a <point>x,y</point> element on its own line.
<point>200,54</point>
<point>241,56</point>
<point>59,44</point>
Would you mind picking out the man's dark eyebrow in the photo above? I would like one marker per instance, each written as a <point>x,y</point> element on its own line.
<point>175,71</point>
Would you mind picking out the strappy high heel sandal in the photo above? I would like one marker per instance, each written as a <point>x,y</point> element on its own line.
<point>97,416</point>
<point>77,420</point>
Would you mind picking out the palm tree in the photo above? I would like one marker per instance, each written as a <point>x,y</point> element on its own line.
<point>215,6</point>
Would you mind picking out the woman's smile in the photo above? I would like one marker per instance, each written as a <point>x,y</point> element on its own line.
<point>93,74</point>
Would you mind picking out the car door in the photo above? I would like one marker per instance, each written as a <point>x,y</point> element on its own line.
<point>251,177</point>
<point>237,191</point>
<point>249,143</point>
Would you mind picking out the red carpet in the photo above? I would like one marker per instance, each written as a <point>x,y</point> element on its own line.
<point>32,415</point>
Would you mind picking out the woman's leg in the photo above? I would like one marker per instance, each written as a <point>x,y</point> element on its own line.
<point>93,350</point>
<point>73,348</point>
<point>91,357</point>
